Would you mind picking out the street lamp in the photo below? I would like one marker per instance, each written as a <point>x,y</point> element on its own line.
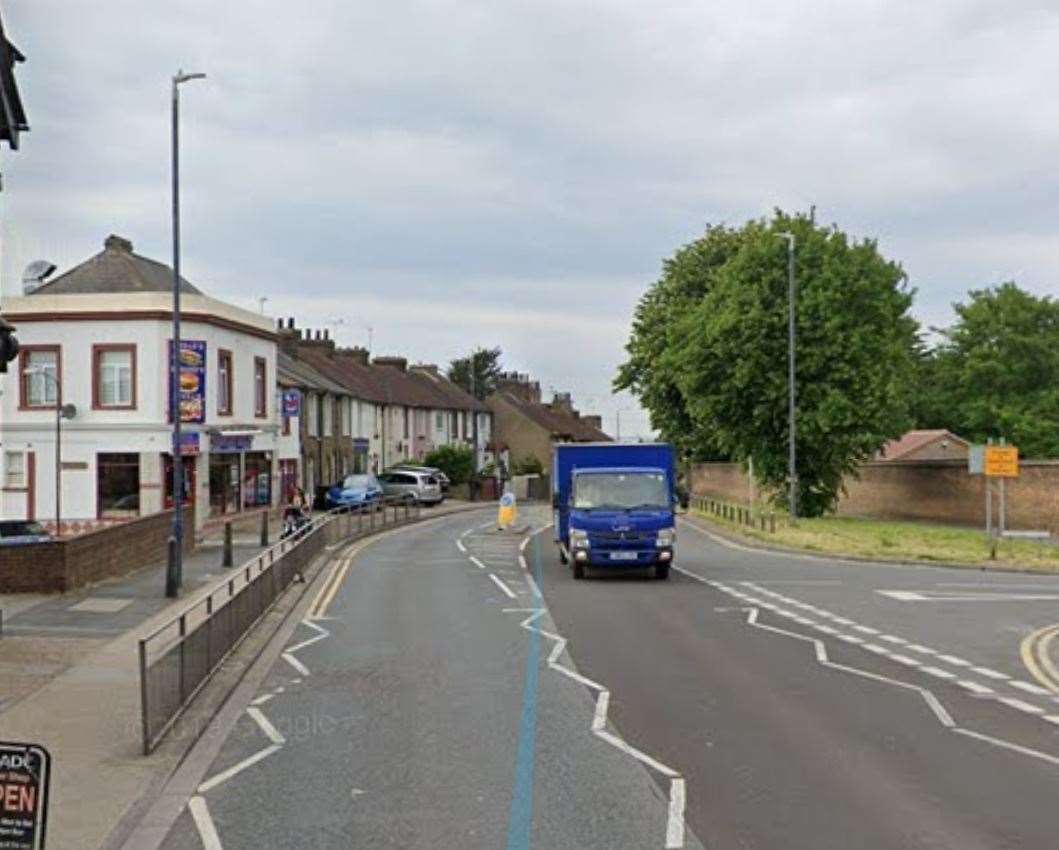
<point>174,569</point>
<point>617,421</point>
<point>62,411</point>
<point>791,389</point>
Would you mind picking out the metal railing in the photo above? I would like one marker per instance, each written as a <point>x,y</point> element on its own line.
<point>739,514</point>
<point>178,658</point>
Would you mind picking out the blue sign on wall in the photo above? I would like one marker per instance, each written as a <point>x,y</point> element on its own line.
<point>191,391</point>
<point>292,403</point>
<point>189,443</point>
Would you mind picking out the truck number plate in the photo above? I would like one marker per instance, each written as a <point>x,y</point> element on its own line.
<point>623,556</point>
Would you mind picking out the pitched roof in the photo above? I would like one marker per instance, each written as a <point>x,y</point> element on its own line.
<point>554,421</point>
<point>908,443</point>
<point>115,269</point>
<point>297,373</point>
<point>384,383</point>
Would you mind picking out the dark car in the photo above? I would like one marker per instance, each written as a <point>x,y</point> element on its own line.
<point>359,490</point>
<point>22,533</point>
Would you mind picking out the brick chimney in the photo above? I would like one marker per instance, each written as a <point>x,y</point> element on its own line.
<point>563,403</point>
<point>594,419</point>
<point>427,369</point>
<point>117,243</point>
<point>356,354</point>
<point>519,385</point>
<point>289,336</point>
<point>399,362</point>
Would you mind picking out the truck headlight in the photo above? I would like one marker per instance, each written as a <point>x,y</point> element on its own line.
<point>578,539</point>
<point>666,537</point>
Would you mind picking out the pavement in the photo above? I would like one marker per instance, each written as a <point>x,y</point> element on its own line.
<point>69,680</point>
<point>452,686</point>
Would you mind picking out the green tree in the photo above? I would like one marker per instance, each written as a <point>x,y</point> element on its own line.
<point>648,373</point>
<point>724,358</point>
<point>528,465</point>
<point>457,462</point>
<point>477,373</point>
<point>995,371</point>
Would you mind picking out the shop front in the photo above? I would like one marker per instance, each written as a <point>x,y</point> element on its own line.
<point>240,476</point>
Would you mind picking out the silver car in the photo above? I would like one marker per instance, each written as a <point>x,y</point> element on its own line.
<point>411,485</point>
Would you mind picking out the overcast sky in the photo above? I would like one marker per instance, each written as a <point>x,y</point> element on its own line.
<point>512,173</point>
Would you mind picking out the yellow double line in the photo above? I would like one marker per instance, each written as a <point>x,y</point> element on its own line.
<point>333,583</point>
<point>1034,651</point>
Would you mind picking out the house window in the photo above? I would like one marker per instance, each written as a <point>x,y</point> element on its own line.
<point>360,419</point>
<point>347,417</point>
<point>40,376</point>
<point>439,421</point>
<point>310,412</point>
<point>14,469</point>
<point>260,388</point>
<point>406,423</point>
<point>329,416</point>
<point>118,484</point>
<point>114,376</point>
<point>455,424</point>
<point>225,376</point>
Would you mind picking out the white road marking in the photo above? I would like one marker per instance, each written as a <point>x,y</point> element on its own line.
<point>204,823</point>
<point>296,664</point>
<point>523,544</point>
<point>893,639</point>
<point>942,596</point>
<point>842,621</point>
<point>953,660</point>
<point>925,650</point>
<point>1052,718</point>
<point>477,563</point>
<point>851,639</point>
<point>522,562</point>
<point>1007,745</point>
<point>599,719</point>
<point>990,673</point>
<point>867,630</point>
<point>1020,705</point>
<point>675,824</point>
<point>224,776</point>
<point>271,732</point>
<point>503,587</point>
<point>874,647</point>
<point>904,659</point>
<point>938,672</point>
<point>827,630</point>
<point>533,586</point>
<point>262,699</point>
<point>460,546</point>
<point>1030,688</point>
<point>975,688</point>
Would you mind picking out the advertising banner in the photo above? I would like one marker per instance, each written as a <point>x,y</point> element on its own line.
<point>292,403</point>
<point>24,773</point>
<point>192,380</point>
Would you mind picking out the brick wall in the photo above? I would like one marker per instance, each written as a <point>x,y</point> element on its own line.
<point>68,564</point>
<point>933,491</point>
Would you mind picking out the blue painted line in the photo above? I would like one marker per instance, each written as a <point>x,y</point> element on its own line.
<point>520,816</point>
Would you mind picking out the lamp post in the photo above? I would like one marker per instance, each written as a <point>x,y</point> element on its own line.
<point>174,569</point>
<point>617,421</point>
<point>791,388</point>
<point>62,411</point>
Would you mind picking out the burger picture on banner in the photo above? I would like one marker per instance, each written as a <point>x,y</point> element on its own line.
<point>191,391</point>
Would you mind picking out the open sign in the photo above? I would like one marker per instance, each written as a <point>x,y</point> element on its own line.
<point>25,770</point>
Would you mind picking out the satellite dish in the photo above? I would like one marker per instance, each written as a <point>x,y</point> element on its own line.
<point>35,274</point>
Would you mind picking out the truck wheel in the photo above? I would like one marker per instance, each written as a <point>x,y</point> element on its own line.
<point>562,557</point>
<point>661,571</point>
<point>579,570</point>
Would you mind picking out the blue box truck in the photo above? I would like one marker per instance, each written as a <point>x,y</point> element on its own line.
<point>614,505</point>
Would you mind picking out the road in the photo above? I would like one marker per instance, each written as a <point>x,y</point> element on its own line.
<point>441,694</point>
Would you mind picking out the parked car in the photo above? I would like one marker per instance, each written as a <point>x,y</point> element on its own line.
<point>442,478</point>
<point>412,485</point>
<point>359,490</point>
<point>22,533</point>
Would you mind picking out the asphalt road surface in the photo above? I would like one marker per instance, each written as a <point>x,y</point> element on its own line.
<point>442,694</point>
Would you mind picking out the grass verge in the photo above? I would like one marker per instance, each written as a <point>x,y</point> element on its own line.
<point>897,541</point>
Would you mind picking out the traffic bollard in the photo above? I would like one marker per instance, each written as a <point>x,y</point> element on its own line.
<point>226,558</point>
<point>264,528</point>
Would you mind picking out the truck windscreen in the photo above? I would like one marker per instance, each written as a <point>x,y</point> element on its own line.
<point>621,491</point>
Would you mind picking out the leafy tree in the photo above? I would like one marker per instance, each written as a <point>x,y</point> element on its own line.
<point>995,371</point>
<point>477,373</point>
<point>457,462</point>
<point>529,465</point>
<point>648,373</point>
<point>723,360</point>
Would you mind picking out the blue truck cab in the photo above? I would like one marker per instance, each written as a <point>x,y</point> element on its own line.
<point>613,506</point>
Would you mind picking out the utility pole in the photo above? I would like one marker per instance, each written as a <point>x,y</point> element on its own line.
<point>175,566</point>
<point>474,411</point>
<point>792,471</point>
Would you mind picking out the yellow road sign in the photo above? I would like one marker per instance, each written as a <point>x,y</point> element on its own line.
<point>1002,461</point>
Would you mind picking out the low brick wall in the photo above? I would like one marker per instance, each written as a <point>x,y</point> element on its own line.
<point>74,562</point>
<point>932,491</point>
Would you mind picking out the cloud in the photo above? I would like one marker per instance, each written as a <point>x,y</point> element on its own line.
<point>515,172</point>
